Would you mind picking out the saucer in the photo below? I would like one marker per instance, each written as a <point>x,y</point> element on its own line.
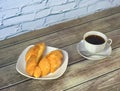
<point>101,55</point>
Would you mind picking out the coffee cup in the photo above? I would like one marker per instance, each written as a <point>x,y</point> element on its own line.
<point>95,41</point>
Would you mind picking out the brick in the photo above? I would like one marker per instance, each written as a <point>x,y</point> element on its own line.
<point>34,7</point>
<point>79,12</point>
<point>0,22</point>
<point>9,4</point>
<point>54,18</point>
<point>55,2</point>
<point>37,24</point>
<point>42,13</point>
<point>63,8</point>
<point>4,33</point>
<point>83,3</point>
<point>101,5</point>
<point>38,1</point>
<point>10,13</point>
<point>18,19</point>
<point>70,0</point>
<point>0,16</point>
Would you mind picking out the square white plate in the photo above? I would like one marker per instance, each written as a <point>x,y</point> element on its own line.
<point>21,64</point>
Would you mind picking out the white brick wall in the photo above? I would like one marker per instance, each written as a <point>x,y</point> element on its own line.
<point>76,13</point>
<point>32,25</point>
<point>51,3</point>
<point>34,7</point>
<point>20,16</point>
<point>8,31</point>
<point>18,19</point>
<point>52,19</point>
<point>63,8</point>
<point>9,13</point>
<point>42,13</point>
<point>99,6</point>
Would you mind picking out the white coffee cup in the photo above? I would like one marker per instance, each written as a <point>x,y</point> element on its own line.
<point>92,47</point>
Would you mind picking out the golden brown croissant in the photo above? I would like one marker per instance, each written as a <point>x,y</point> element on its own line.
<point>30,65</point>
<point>41,50</point>
<point>29,53</point>
<point>44,66</point>
<point>32,59</point>
<point>37,72</point>
<point>37,66</point>
<point>36,50</point>
<point>55,60</point>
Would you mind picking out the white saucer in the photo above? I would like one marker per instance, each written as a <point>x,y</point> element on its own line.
<point>84,53</point>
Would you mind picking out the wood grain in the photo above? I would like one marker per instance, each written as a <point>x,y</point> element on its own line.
<point>74,57</point>
<point>108,82</point>
<point>76,74</point>
<point>61,39</point>
<point>58,27</point>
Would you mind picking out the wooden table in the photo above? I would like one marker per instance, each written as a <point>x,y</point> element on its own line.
<point>81,74</point>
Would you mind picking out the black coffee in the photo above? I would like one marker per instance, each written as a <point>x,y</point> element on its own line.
<point>94,39</point>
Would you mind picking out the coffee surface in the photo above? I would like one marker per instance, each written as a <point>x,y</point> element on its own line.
<point>95,39</point>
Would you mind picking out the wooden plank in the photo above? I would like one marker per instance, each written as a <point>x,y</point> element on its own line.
<point>58,27</point>
<point>60,39</point>
<point>74,57</point>
<point>108,82</point>
<point>75,74</point>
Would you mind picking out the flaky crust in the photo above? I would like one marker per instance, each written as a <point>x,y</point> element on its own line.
<point>38,65</point>
<point>30,65</point>
<point>37,50</point>
<point>55,59</point>
<point>33,57</point>
<point>44,66</point>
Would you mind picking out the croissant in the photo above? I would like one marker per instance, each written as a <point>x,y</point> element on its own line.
<point>29,53</point>
<point>41,50</point>
<point>39,66</point>
<point>44,66</point>
<point>55,60</point>
<point>32,59</point>
<point>30,65</point>
<point>36,50</point>
<point>37,72</point>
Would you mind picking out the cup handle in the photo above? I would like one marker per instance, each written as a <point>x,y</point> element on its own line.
<point>109,41</point>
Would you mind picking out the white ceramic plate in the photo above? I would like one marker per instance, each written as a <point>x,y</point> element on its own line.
<point>21,64</point>
<point>82,50</point>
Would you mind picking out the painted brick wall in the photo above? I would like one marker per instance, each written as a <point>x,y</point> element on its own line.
<point>20,16</point>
